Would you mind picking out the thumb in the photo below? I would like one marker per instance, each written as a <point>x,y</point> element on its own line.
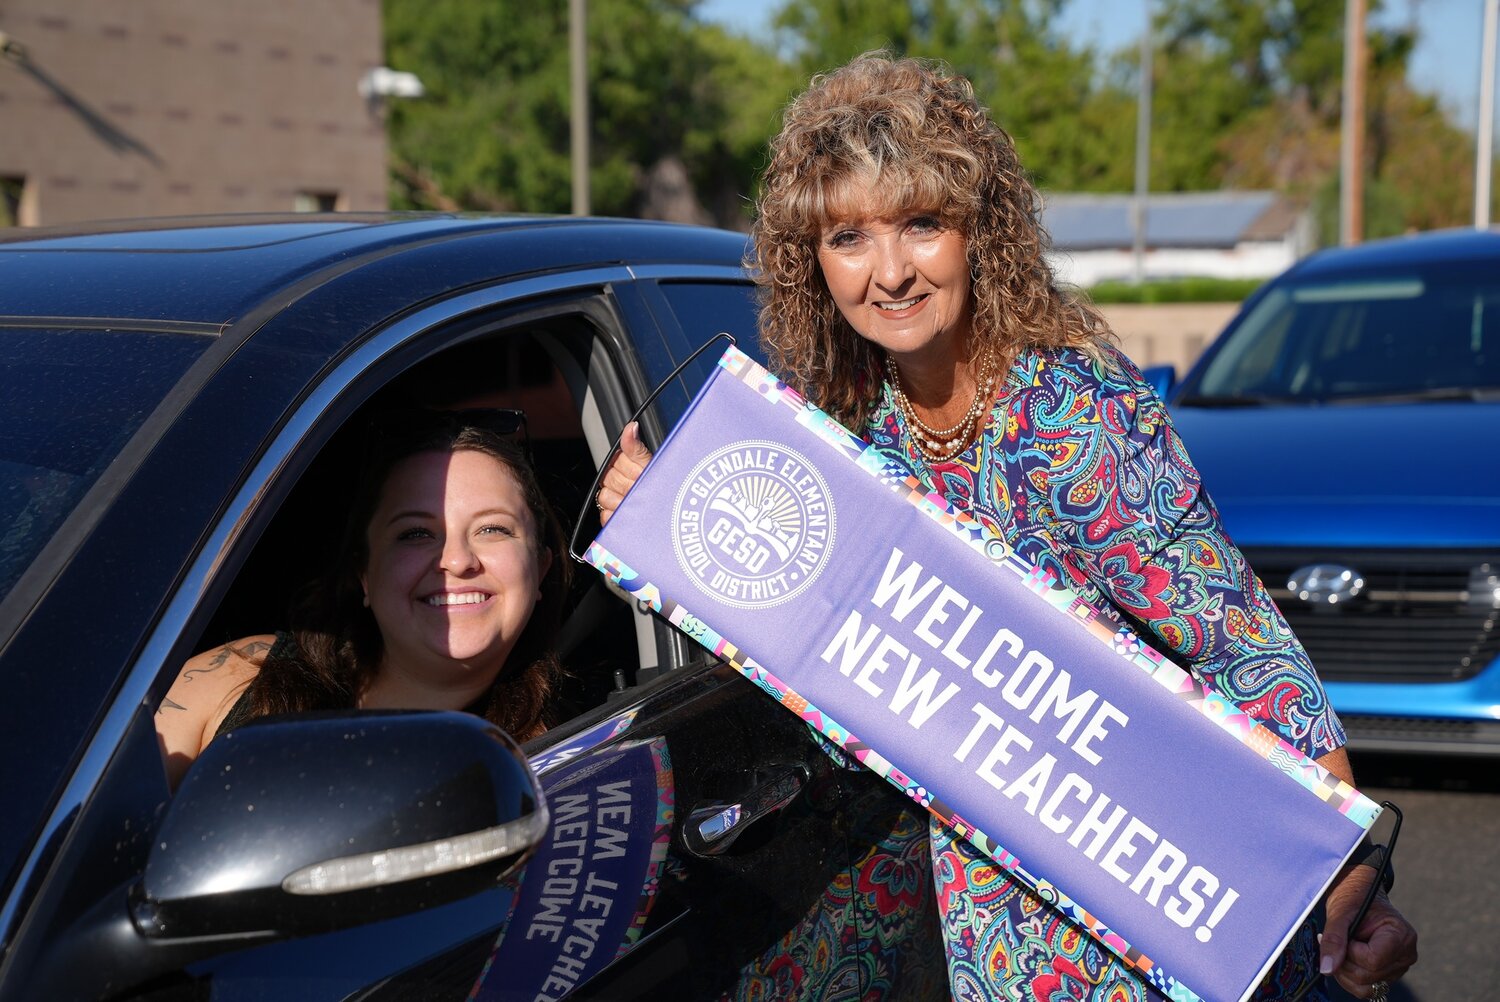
<point>1342,903</point>
<point>630,444</point>
<point>1333,943</point>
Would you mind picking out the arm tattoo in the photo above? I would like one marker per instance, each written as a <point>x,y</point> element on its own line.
<point>168,703</point>
<point>221,657</point>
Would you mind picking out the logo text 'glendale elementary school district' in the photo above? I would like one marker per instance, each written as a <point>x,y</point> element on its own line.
<point>754,524</point>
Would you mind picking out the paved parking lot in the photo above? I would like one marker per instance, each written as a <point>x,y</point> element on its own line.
<point>1448,870</point>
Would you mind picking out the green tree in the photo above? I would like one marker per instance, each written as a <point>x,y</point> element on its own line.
<point>1067,126</point>
<point>1246,95</point>
<point>493,130</point>
<point>1271,47</point>
<point>823,34</point>
<point>1249,95</point>
<point>740,88</point>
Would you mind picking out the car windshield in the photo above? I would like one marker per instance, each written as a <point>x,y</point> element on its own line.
<point>1417,336</point>
<point>69,401</point>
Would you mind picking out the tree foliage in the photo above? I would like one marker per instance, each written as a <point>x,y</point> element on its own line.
<point>1044,91</point>
<point>1246,95</point>
<point>1265,81</point>
<point>493,130</point>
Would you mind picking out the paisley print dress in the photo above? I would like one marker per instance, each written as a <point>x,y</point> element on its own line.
<point>1080,469</point>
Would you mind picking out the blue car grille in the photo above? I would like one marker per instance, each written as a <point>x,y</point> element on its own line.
<point>1429,735</point>
<point>1415,620</point>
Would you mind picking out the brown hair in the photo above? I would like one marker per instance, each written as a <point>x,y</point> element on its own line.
<point>338,645</point>
<point>913,130</point>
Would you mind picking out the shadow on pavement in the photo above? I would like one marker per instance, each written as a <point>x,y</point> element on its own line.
<point>1472,774</point>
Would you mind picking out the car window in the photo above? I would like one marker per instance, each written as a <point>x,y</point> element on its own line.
<point>539,367</point>
<point>556,361</point>
<point>1408,334</point>
<point>51,456</point>
<point>703,309</point>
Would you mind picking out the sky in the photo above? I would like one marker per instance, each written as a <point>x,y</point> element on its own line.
<point>1446,60</point>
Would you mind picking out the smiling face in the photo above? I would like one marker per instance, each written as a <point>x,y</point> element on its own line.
<point>901,280</point>
<point>454,569</point>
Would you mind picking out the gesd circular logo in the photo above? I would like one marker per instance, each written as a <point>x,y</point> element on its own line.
<point>754,524</point>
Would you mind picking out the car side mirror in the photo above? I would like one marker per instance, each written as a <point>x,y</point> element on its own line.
<point>1161,378</point>
<point>310,823</point>
<point>292,825</point>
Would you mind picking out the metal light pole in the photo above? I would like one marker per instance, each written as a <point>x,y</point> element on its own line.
<point>1351,172</point>
<point>1142,156</point>
<point>578,74</point>
<point>1484,152</point>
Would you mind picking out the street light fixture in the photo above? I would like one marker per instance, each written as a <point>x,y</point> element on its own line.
<point>383,82</point>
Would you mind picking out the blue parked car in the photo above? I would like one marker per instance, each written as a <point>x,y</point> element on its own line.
<point>1347,423</point>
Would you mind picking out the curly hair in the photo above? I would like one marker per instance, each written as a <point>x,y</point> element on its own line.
<point>338,644</point>
<point>912,131</point>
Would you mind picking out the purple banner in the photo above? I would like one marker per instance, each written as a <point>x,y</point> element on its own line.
<point>1181,834</point>
<point>585,895</point>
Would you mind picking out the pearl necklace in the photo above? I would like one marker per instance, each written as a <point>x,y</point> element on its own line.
<point>943,445</point>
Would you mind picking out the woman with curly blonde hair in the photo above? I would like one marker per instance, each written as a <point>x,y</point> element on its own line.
<point>883,138</point>
<point>904,290</point>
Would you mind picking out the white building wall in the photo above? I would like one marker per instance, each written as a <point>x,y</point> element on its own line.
<point>1258,259</point>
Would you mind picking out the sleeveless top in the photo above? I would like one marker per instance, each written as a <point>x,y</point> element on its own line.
<point>285,646</point>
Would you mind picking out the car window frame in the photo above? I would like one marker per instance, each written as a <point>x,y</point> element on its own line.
<point>371,362</point>
<point>305,430</point>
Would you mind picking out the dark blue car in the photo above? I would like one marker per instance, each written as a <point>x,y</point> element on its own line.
<point>1347,423</point>
<point>176,401</point>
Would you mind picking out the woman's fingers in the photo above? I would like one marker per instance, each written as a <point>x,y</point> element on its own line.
<point>624,470</point>
<point>631,449</point>
<point>1384,946</point>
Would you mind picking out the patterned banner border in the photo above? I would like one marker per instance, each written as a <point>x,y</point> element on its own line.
<point>1123,641</point>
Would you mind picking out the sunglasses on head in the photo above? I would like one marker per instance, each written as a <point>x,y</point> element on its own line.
<point>400,424</point>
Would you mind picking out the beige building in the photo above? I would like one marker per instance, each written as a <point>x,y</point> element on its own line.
<point>1218,234</point>
<point>126,108</point>
<point>1172,334</point>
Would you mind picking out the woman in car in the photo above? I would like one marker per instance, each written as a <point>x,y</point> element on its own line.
<point>900,257</point>
<point>447,594</point>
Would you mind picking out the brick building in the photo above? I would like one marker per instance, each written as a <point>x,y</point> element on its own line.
<point>169,107</point>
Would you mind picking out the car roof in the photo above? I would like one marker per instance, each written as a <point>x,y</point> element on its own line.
<point>213,270</point>
<point>1436,248</point>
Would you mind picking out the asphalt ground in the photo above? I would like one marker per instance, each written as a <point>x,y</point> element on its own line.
<point>1447,870</point>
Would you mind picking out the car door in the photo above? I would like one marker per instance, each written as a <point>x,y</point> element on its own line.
<point>717,836</point>
<point>746,879</point>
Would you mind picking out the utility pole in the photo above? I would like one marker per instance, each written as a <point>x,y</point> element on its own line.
<point>1351,172</point>
<point>1142,155</point>
<point>578,75</point>
<point>1484,152</point>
